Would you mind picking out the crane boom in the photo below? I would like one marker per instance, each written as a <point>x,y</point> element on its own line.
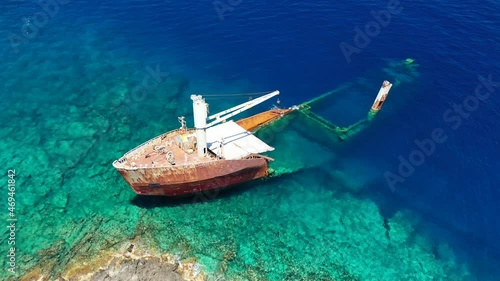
<point>239,108</point>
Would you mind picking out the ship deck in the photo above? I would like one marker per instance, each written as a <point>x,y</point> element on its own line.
<point>227,141</point>
<point>154,152</point>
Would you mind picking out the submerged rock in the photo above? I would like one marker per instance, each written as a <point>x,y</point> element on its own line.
<point>144,269</point>
<point>134,262</point>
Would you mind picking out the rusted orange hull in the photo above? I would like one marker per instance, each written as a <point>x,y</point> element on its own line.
<point>253,122</point>
<point>182,180</point>
<point>203,175</point>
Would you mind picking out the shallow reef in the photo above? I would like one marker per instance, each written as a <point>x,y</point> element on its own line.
<point>129,261</point>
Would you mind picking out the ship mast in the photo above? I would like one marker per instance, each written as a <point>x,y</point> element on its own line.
<point>200,112</point>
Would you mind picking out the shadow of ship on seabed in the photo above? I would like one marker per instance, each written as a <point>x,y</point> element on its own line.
<point>151,202</point>
<point>472,247</point>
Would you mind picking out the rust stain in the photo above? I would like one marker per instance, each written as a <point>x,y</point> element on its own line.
<point>253,122</point>
<point>174,181</point>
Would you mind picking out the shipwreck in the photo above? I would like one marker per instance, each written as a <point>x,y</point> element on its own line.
<point>220,152</point>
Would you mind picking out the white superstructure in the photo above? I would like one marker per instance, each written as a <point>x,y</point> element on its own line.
<point>230,141</point>
<point>200,112</point>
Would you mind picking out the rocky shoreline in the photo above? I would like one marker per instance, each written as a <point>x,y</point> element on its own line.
<point>131,262</point>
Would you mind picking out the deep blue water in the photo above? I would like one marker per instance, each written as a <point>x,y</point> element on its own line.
<point>294,47</point>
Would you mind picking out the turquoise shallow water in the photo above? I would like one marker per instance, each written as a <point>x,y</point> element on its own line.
<point>69,109</point>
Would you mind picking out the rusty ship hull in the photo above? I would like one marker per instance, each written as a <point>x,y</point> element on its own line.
<point>173,181</point>
<point>147,172</point>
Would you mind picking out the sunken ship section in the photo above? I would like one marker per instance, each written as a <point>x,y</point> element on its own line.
<point>217,153</point>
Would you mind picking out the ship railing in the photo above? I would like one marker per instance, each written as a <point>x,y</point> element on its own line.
<point>146,166</point>
<point>255,156</point>
<point>136,149</point>
<point>162,136</point>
